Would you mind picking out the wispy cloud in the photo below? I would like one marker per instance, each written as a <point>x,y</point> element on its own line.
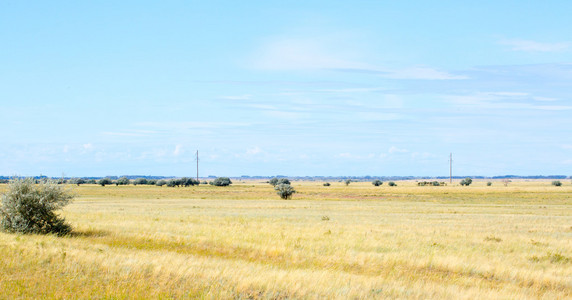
<point>425,73</point>
<point>303,54</point>
<point>533,46</point>
<point>240,97</point>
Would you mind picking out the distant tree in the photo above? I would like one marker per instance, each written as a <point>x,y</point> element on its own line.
<point>122,181</point>
<point>189,181</point>
<point>91,181</point>
<point>466,182</point>
<point>160,182</point>
<point>221,181</point>
<point>151,182</point>
<point>327,184</point>
<point>273,181</point>
<point>141,181</point>
<point>284,181</point>
<point>377,182</point>
<point>285,191</point>
<point>391,183</point>
<point>76,181</point>
<point>104,181</point>
<point>348,181</point>
<point>489,183</point>
<point>556,183</point>
<point>436,183</point>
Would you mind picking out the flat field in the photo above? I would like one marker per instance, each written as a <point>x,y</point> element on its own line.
<point>344,242</point>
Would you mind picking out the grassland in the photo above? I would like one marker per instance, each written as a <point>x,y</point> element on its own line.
<point>356,241</point>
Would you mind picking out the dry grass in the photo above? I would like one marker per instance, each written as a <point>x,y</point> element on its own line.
<point>356,241</point>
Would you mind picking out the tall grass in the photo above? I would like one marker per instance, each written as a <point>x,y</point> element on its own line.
<point>243,242</point>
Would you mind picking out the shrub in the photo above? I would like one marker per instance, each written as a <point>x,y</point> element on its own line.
<point>436,183</point>
<point>327,184</point>
<point>29,208</point>
<point>221,181</point>
<point>189,181</point>
<point>285,191</point>
<point>466,182</point>
<point>77,181</point>
<point>151,182</point>
<point>377,182</point>
<point>273,181</point>
<point>160,182</point>
<point>556,183</point>
<point>348,181</point>
<point>391,183</point>
<point>489,183</point>
<point>122,181</point>
<point>141,181</point>
<point>104,181</point>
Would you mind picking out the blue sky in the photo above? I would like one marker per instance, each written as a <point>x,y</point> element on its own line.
<point>96,88</point>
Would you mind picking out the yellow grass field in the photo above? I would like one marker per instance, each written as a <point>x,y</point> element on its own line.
<point>341,242</point>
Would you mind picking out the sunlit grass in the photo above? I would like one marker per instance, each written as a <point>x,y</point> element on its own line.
<point>356,241</point>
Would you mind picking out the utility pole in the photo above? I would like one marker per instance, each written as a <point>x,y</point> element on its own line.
<point>197,165</point>
<point>451,168</point>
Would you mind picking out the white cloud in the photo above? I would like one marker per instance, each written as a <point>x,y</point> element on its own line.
<point>87,147</point>
<point>178,150</point>
<point>552,107</point>
<point>303,54</point>
<point>240,97</point>
<point>545,99</point>
<point>393,150</point>
<point>425,73</point>
<point>253,151</point>
<point>533,46</point>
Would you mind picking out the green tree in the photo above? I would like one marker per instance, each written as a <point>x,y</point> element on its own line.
<point>28,207</point>
<point>377,182</point>
<point>466,182</point>
<point>141,181</point>
<point>556,183</point>
<point>285,191</point>
<point>221,181</point>
<point>391,183</point>
<point>348,181</point>
<point>122,181</point>
<point>104,181</point>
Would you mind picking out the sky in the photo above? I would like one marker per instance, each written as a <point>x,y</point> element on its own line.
<point>295,88</point>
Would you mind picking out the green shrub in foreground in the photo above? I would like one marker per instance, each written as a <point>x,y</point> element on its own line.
<point>29,208</point>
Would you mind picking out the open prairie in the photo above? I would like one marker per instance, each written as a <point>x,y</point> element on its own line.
<point>356,241</point>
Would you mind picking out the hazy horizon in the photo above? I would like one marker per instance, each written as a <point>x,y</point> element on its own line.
<point>293,88</point>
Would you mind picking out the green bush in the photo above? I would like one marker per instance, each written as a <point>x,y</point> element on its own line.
<point>29,208</point>
<point>377,182</point>
<point>160,182</point>
<point>122,181</point>
<point>489,183</point>
<point>141,181</point>
<point>391,183</point>
<point>285,191</point>
<point>221,181</point>
<point>273,181</point>
<point>466,182</point>
<point>556,183</point>
<point>327,184</point>
<point>348,181</point>
<point>104,181</point>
